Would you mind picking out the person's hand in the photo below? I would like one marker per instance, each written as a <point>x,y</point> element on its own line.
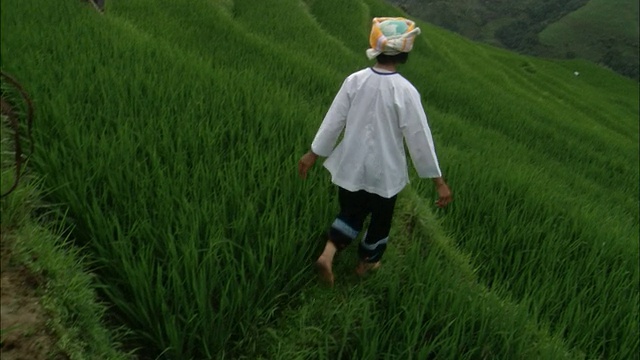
<point>444,193</point>
<point>306,162</point>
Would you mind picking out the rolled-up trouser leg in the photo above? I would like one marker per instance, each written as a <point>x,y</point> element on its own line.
<point>374,243</point>
<point>348,223</point>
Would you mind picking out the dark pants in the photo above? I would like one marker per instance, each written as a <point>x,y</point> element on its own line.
<point>354,208</point>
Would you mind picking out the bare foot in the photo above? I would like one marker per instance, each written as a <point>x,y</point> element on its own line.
<point>323,267</point>
<point>364,267</point>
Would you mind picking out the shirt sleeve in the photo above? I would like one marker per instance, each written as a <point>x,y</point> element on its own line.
<point>333,123</point>
<point>417,135</point>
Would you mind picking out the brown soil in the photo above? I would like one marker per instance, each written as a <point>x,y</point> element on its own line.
<point>24,334</point>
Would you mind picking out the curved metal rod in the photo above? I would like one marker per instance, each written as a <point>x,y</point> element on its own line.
<point>8,111</point>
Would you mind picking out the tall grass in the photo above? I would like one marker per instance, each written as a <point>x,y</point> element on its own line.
<point>171,130</point>
<point>424,303</point>
<point>38,253</point>
<point>557,223</point>
<point>185,189</point>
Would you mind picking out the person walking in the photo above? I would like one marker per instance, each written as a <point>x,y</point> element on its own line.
<point>379,110</point>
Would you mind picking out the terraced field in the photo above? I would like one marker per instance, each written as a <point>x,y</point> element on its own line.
<point>170,132</point>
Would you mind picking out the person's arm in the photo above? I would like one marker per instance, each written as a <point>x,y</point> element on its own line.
<point>417,135</point>
<point>329,131</point>
<point>419,140</point>
<point>333,123</point>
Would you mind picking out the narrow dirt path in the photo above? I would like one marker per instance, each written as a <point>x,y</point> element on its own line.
<point>24,334</point>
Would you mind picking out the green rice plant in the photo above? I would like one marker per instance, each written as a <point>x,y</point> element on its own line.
<point>76,321</point>
<point>171,131</point>
<point>550,250</point>
<point>419,305</point>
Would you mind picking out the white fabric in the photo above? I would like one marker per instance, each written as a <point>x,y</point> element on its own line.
<point>377,111</point>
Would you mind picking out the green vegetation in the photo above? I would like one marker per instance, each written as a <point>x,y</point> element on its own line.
<point>602,31</point>
<point>170,130</point>
<point>512,24</point>
<point>605,31</point>
<point>75,319</point>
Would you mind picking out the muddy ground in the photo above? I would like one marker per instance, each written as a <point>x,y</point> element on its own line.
<point>23,321</point>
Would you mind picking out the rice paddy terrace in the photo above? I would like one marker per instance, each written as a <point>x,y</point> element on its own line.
<point>170,132</point>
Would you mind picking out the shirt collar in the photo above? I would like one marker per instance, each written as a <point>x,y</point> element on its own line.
<point>382,71</point>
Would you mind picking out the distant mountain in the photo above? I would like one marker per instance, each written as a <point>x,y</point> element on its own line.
<point>602,31</point>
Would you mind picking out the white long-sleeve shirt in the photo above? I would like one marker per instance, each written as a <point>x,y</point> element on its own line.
<point>379,109</point>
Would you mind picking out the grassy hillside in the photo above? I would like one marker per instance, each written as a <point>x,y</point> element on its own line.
<point>479,20</point>
<point>171,130</point>
<point>603,31</point>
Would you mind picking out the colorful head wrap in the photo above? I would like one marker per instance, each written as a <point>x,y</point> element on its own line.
<point>391,36</point>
